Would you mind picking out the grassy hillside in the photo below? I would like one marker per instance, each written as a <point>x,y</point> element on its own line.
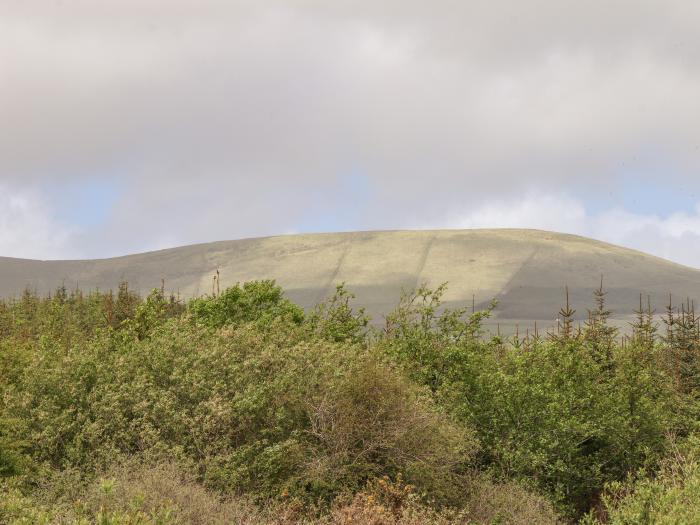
<point>240,407</point>
<point>525,270</point>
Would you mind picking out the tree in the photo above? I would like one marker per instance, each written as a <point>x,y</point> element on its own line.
<point>335,319</point>
<point>598,333</point>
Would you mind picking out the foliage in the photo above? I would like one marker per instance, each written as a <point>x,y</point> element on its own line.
<point>557,413</point>
<point>336,320</point>
<point>427,339</point>
<point>146,493</point>
<point>671,497</point>
<point>240,406</point>
<point>259,301</point>
<point>12,459</point>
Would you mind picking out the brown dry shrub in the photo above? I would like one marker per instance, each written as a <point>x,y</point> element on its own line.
<point>387,502</point>
<point>166,493</point>
<point>164,489</point>
<point>376,423</point>
<point>507,502</point>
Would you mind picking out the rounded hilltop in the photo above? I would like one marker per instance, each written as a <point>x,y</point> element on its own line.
<point>526,270</point>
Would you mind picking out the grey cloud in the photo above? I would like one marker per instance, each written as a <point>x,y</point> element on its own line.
<point>225,119</point>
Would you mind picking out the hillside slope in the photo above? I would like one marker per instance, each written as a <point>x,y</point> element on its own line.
<point>526,270</point>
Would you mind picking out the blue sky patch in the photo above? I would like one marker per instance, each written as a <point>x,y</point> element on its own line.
<point>85,203</point>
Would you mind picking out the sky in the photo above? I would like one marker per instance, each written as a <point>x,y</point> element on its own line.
<point>133,125</point>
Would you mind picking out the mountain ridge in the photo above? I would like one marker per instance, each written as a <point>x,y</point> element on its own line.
<point>225,241</point>
<point>526,270</point>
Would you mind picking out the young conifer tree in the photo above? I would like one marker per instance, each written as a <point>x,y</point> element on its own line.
<point>682,346</point>
<point>670,321</point>
<point>598,333</point>
<point>565,322</point>
<point>643,327</point>
<point>126,303</point>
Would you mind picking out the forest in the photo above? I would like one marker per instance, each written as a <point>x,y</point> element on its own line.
<point>241,407</point>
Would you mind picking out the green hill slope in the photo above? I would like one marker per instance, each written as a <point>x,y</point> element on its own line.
<point>526,270</point>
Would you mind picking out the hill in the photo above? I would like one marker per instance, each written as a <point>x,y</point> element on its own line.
<point>526,270</point>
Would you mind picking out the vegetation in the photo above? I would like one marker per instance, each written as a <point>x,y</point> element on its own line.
<point>239,407</point>
<point>672,496</point>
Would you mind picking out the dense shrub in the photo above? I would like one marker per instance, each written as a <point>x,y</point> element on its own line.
<point>547,411</point>
<point>670,497</point>
<point>259,301</point>
<point>149,493</point>
<point>115,409</point>
<point>336,320</point>
<point>257,412</point>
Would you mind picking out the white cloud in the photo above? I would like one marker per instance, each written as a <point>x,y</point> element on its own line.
<point>675,237</point>
<point>27,229</point>
<point>556,212</point>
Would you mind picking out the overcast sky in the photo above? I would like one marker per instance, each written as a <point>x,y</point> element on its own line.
<point>130,125</point>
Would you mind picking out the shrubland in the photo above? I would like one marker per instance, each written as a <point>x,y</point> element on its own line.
<point>242,408</point>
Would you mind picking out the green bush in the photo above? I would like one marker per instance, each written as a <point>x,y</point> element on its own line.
<point>547,412</point>
<point>248,407</point>
<point>254,402</point>
<point>13,462</point>
<point>336,320</point>
<point>670,497</point>
<point>259,301</point>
